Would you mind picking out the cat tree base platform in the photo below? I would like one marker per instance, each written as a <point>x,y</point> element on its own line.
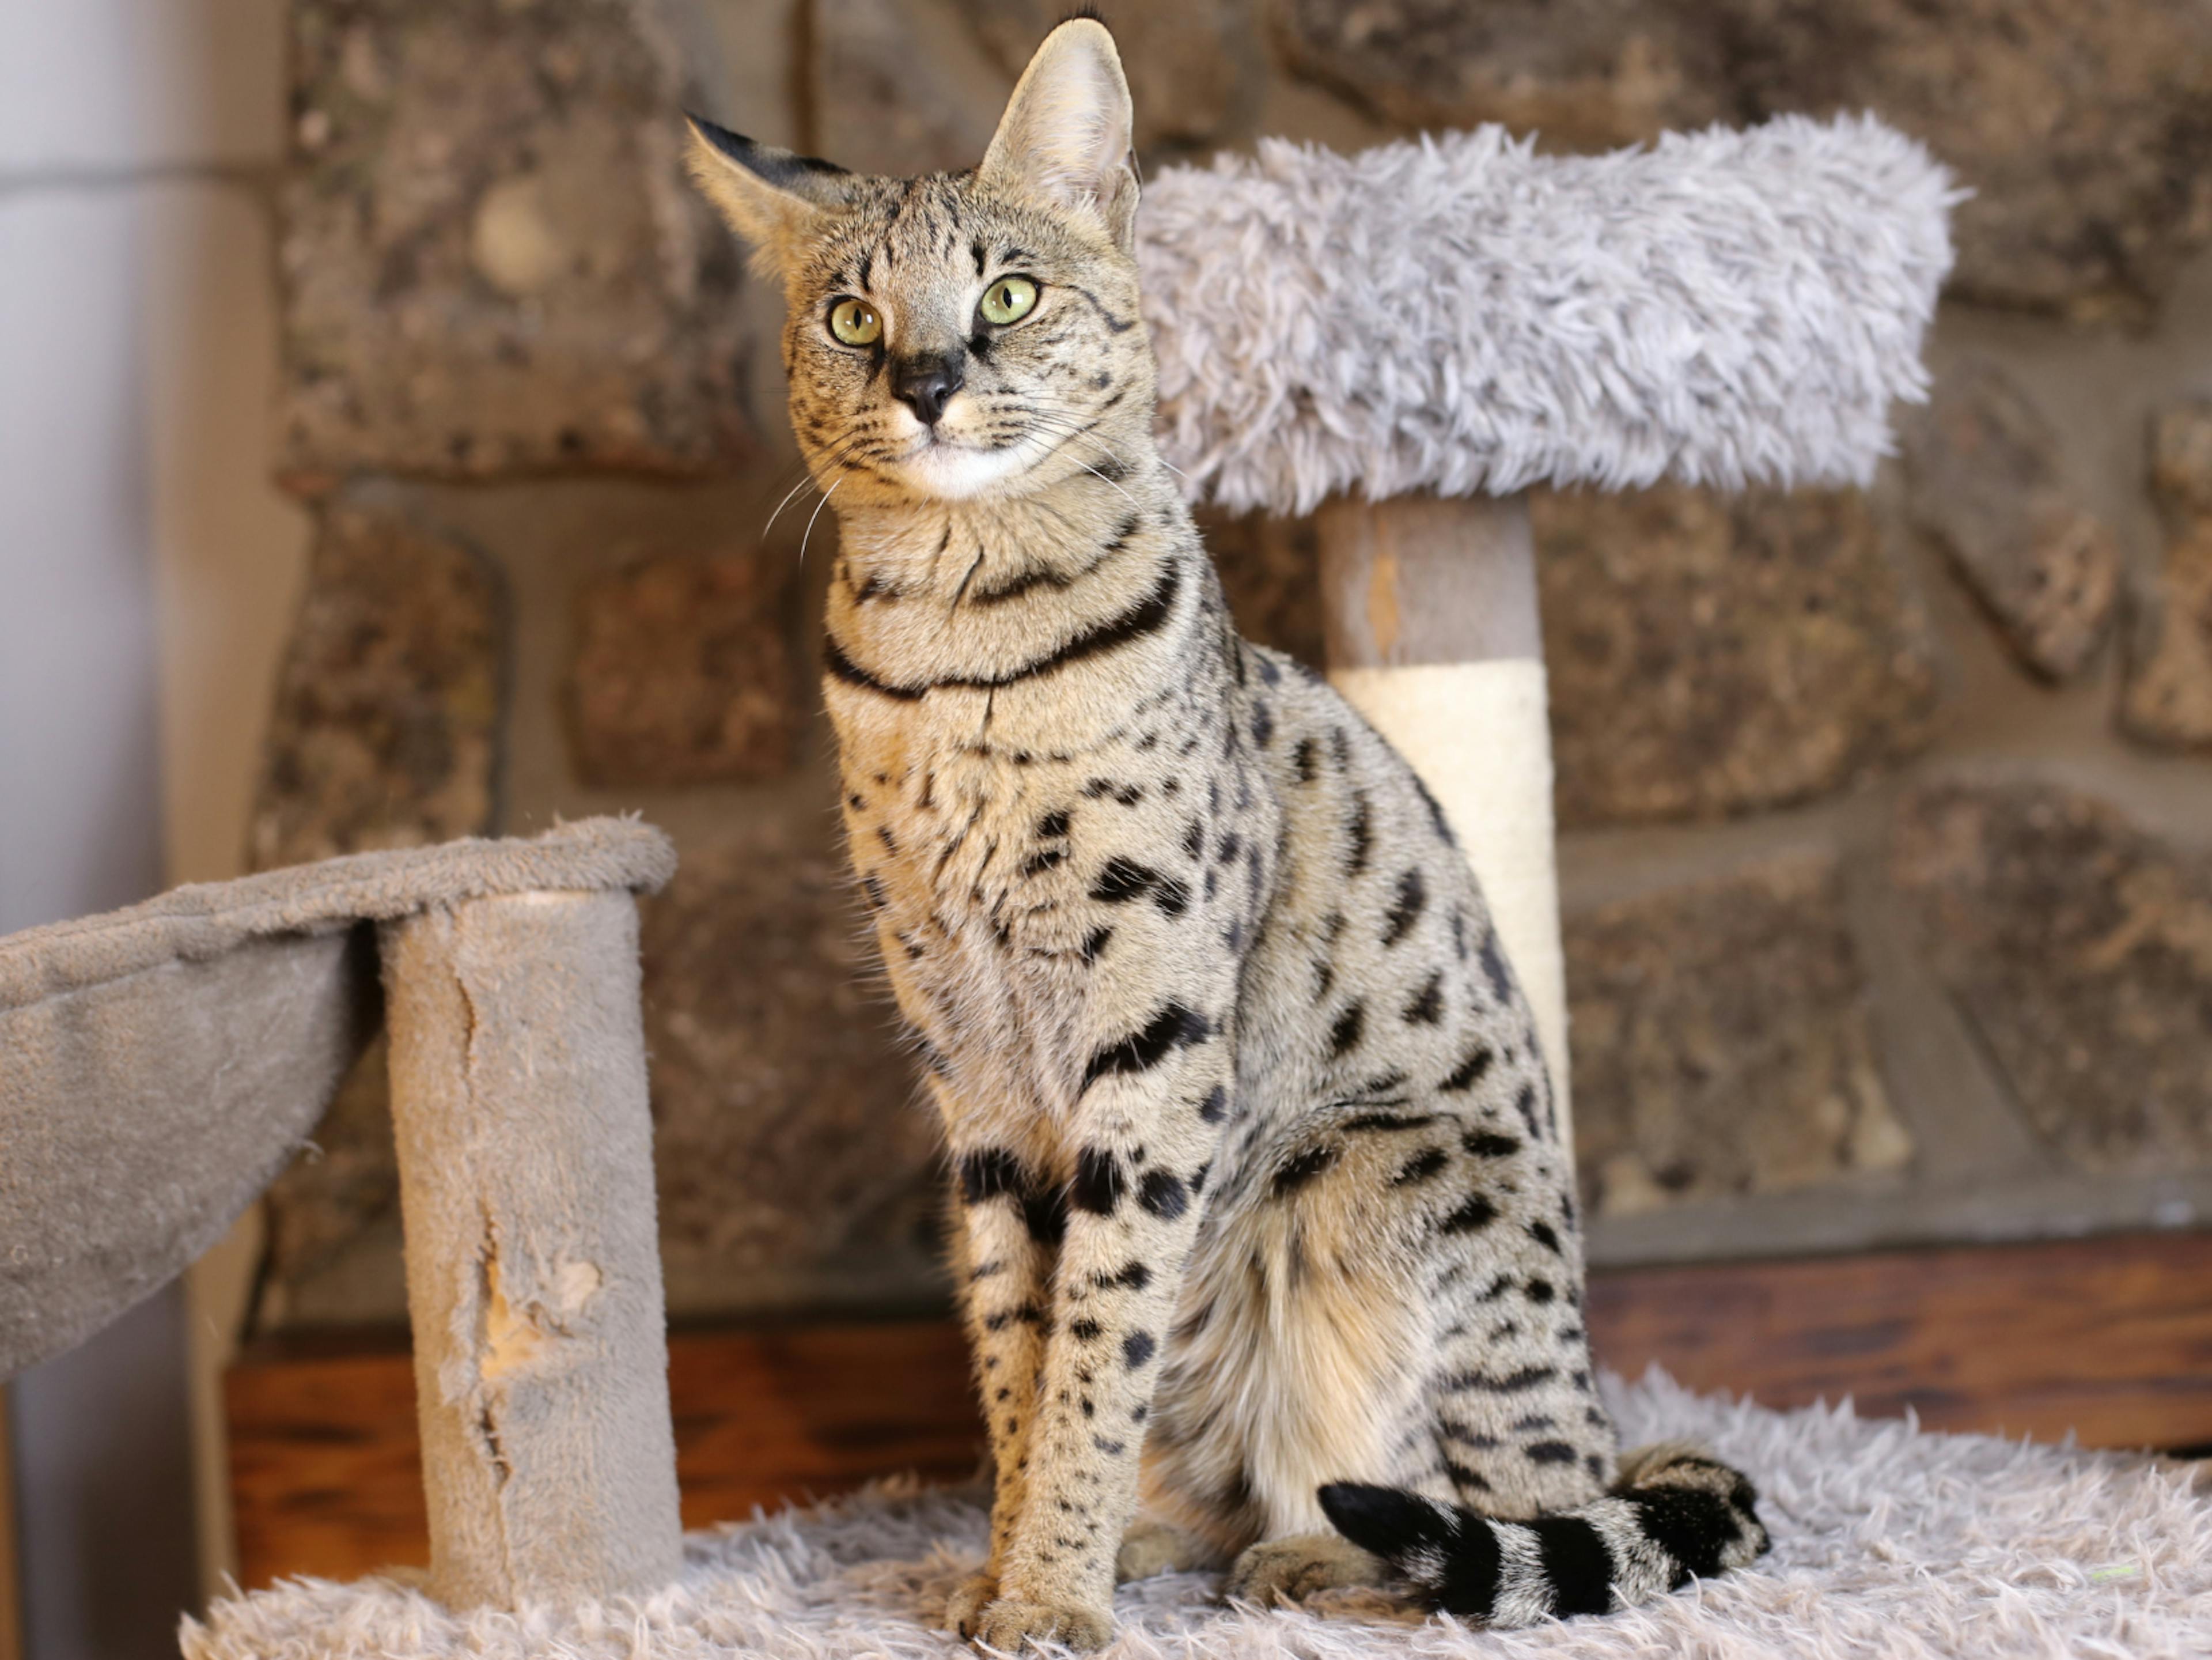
<point>1888,1540</point>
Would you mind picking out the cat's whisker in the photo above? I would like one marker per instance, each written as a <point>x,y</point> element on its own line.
<point>786,502</point>
<point>818,506</point>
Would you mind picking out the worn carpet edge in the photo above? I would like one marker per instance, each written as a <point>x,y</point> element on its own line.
<point>1889,1541</point>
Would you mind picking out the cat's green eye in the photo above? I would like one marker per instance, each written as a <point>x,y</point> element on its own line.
<point>855,322</point>
<point>1009,299</point>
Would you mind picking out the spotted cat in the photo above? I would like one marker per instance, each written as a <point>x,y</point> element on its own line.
<point>1264,1235</point>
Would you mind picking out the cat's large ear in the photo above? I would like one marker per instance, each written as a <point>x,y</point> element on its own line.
<point>772,196</point>
<point>1065,136</point>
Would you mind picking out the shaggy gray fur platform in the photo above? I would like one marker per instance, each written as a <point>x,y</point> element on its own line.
<point>1461,313</point>
<point>1886,1543</point>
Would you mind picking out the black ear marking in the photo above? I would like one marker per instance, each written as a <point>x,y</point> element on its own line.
<point>780,168</point>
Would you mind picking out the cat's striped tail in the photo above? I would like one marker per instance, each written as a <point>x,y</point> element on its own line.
<point>1674,1514</point>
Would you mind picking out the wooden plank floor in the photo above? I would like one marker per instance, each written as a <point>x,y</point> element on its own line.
<point>2111,1338</point>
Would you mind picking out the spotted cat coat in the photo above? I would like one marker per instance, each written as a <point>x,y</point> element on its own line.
<point>1264,1236</point>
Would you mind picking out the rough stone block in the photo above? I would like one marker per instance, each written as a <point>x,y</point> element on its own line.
<point>1720,1043</point>
<point>2078,949</point>
<point>1712,654</point>
<point>384,732</point>
<point>492,262</point>
<point>2167,701</point>
<point>683,674</point>
<point>791,1145</point>
<point>903,86</point>
<point>2080,127</point>
<point>1985,480</point>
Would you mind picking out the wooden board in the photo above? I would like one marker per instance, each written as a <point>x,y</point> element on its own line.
<point>2112,1338</point>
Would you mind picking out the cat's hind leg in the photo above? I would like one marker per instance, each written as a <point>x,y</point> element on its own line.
<point>1305,1343</point>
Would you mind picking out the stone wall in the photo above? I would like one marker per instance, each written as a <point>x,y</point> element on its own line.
<point>1887,815</point>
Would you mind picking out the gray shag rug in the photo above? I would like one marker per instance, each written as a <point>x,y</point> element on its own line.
<point>1886,1541</point>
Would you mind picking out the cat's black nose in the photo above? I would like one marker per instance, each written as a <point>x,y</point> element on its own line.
<point>926,383</point>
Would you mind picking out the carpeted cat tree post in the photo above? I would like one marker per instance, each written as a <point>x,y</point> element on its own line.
<point>1407,338</point>
<point>159,1066</point>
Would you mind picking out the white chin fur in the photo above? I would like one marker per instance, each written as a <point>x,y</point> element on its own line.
<point>953,473</point>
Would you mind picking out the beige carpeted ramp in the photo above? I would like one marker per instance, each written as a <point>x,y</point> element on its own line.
<point>1886,1543</point>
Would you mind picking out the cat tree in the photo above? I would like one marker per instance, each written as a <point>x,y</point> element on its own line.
<point>1402,339</point>
<point>1406,339</point>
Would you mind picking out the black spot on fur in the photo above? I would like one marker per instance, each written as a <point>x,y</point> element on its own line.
<point>1042,860</point>
<point>1344,1035</point>
<point>1172,897</point>
<point>1263,720</point>
<point>1052,825</point>
<point>1085,1331</point>
<point>1541,1290</point>
<point>1494,969</point>
<point>1215,1107</point>
<point>989,1174</point>
<point>1469,1070</point>
<point>1427,1007</point>
<point>1474,1211</point>
<point>1465,1480</point>
<point>1307,759</point>
<point>1301,1168</point>
<point>1526,1104</point>
<point>1193,840</point>
<point>1137,1347</point>
<point>1096,942</point>
<point>1488,1144</point>
<point>1132,1276</point>
<point>1549,1452</point>
<point>1098,1183</point>
<point>1045,1215</point>
<point>1406,910</point>
<point>1163,1194</point>
<point>1359,829</point>
<point>1175,1027</point>
<point>1511,1382</point>
<point>1420,1167</point>
<point>1544,1234</point>
<point>1388,1121</point>
<point>1122,879</point>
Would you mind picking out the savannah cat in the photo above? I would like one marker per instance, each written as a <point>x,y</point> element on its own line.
<point>1264,1235</point>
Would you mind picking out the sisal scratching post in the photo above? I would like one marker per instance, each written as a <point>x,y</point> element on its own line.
<point>1429,609</point>
<point>533,1267</point>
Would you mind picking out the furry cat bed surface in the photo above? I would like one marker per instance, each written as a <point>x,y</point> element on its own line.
<point>1460,315</point>
<point>160,1064</point>
<point>1886,1541</point>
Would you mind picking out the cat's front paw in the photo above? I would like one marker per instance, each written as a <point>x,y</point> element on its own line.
<point>967,1600</point>
<point>1009,1624</point>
